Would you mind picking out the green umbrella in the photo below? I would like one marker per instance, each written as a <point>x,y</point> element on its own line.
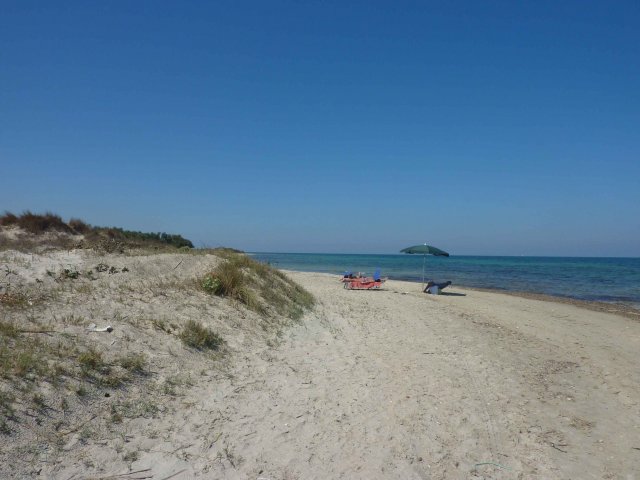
<point>424,250</point>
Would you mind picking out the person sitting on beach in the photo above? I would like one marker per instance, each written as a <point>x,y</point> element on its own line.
<point>439,286</point>
<point>347,276</point>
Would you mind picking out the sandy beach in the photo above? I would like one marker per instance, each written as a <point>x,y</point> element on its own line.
<point>368,384</point>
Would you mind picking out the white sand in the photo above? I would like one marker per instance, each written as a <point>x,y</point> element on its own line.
<point>378,384</point>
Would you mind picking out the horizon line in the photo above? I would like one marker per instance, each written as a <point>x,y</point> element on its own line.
<point>451,255</point>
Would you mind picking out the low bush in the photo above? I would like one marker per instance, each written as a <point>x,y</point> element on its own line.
<point>125,236</point>
<point>34,223</point>
<point>78,226</point>
<point>8,219</point>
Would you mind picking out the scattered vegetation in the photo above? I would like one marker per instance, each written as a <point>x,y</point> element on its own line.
<point>198,336</point>
<point>53,371</point>
<point>21,358</point>
<point>29,361</point>
<point>13,299</point>
<point>109,239</point>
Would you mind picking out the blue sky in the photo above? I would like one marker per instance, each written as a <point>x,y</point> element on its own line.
<point>480,127</point>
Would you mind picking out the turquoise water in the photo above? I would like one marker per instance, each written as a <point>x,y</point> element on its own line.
<point>614,280</point>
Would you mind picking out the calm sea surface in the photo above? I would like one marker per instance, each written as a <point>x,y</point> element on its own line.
<point>604,279</point>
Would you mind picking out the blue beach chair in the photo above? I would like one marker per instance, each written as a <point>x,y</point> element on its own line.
<point>376,275</point>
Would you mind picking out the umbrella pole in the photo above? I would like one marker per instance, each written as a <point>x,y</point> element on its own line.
<point>424,260</point>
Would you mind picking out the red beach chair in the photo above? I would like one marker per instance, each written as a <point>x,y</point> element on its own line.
<point>365,283</point>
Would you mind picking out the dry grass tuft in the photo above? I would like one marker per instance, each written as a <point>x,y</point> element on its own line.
<point>134,363</point>
<point>198,336</point>
<point>91,361</point>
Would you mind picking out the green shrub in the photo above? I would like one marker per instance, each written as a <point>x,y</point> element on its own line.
<point>211,284</point>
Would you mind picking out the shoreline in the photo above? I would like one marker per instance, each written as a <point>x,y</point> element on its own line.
<point>622,309</point>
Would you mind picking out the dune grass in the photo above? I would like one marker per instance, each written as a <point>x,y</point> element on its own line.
<point>258,286</point>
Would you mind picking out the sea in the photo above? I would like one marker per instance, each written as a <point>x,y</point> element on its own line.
<point>613,280</point>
